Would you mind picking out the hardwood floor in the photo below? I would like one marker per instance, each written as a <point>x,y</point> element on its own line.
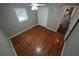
<point>38,41</point>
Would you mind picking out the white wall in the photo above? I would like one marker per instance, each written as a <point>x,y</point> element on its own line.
<point>47,16</point>
<point>9,22</point>
<point>5,46</point>
<point>43,16</point>
<point>54,16</point>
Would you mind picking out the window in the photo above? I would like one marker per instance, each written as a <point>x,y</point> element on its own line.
<point>21,14</point>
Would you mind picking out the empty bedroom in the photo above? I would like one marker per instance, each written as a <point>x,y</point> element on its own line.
<point>39,29</point>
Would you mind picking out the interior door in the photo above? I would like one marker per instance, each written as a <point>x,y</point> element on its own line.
<point>42,16</point>
<point>70,27</point>
<point>71,47</point>
<point>75,18</point>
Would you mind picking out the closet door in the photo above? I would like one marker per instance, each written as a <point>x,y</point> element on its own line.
<point>42,16</point>
<point>71,47</point>
<point>74,18</point>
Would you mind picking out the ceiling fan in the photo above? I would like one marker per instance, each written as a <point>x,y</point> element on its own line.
<point>34,6</point>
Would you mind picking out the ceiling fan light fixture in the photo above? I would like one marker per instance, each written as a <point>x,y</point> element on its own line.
<point>34,8</point>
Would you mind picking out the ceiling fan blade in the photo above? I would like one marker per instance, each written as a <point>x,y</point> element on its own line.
<point>41,4</point>
<point>37,5</point>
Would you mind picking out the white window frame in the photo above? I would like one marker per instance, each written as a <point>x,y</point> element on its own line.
<point>21,14</point>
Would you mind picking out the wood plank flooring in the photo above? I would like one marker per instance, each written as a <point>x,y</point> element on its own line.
<point>38,41</point>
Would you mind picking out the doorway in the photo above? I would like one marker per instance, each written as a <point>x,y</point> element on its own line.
<point>66,19</point>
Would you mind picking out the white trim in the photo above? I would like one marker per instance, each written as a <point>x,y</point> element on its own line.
<point>16,35</point>
<point>60,18</point>
<point>51,29</point>
<point>62,14</point>
<point>75,8</point>
<point>71,21</point>
<point>12,47</point>
<point>30,28</point>
<point>22,31</point>
<point>63,49</point>
<point>48,28</point>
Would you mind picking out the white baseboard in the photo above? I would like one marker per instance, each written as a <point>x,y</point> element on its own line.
<point>22,31</point>
<point>48,28</point>
<point>16,35</point>
<point>30,28</point>
<point>63,49</point>
<point>13,48</point>
<point>51,29</point>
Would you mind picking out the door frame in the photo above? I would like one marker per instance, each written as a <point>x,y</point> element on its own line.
<point>62,14</point>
